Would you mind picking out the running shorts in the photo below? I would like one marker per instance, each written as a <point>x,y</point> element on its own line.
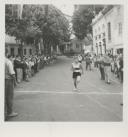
<point>75,74</point>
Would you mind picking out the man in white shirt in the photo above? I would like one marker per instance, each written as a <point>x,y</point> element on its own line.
<point>107,67</point>
<point>80,58</point>
<point>9,88</point>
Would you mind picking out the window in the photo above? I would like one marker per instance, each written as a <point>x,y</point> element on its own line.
<point>104,41</point>
<point>103,26</point>
<point>24,51</point>
<point>99,36</point>
<point>119,28</point>
<point>99,29</point>
<point>120,50</point>
<point>18,51</point>
<point>95,31</point>
<point>118,10</point>
<point>12,51</point>
<point>109,31</point>
<point>96,38</point>
<point>104,34</point>
<point>30,51</point>
<point>6,50</point>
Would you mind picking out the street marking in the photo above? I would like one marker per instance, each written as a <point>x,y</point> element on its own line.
<point>88,94</point>
<point>69,92</point>
<point>98,88</point>
<point>104,106</point>
<point>94,86</point>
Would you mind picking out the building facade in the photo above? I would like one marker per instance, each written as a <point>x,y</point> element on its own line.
<point>81,46</point>
<point>108,30</point>
<point>13,47</point>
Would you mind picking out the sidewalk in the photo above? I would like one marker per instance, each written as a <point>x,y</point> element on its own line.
<point>113,77</point>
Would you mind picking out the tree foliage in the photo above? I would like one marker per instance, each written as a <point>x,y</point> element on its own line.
<point>82,19</point>
<point>38,21</point>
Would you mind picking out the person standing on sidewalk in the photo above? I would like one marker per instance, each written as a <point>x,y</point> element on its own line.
<point>9,88</point>
<point>77,70</point>
<point>12,60</point>
<point>25,69</point>
<point>18,69</point>
<point>107,67</point>
<point>88,62</point>
<point>101,67</point>
<point>121,68</point>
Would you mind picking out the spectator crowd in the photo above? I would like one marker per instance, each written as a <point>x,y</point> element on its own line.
<point>109,63</point>
<point>27,67</point>
<point>19,69</point>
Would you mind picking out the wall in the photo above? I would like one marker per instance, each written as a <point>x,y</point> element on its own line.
<point>114,16</point>
<point>11,43</point>
<point>99,29</point>
<point>16,47</point>
<point>77,45</point>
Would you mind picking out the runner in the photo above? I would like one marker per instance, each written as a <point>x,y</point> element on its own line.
<point>77,71</point>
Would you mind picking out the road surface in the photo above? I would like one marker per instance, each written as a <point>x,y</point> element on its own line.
<point>49,96</point>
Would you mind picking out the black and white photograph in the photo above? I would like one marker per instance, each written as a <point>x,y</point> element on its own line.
<point>64,62</point>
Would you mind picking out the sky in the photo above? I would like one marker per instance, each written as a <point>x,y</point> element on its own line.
<point>65,8</point>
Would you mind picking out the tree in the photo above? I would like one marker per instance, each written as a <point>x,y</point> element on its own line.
<point>82,19</point>
<point>38,21</point>
<point>23,29</point>
<point>53,24</point>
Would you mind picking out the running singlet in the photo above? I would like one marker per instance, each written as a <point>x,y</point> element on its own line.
<point>76,67</point>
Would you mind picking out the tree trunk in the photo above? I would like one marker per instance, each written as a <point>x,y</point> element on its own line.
<point>21,49</point>
<point>45,47</point>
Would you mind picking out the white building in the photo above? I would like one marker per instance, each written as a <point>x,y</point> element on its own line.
<point>80,46</point>
<point>13,47</point>
<point>108,30</point>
